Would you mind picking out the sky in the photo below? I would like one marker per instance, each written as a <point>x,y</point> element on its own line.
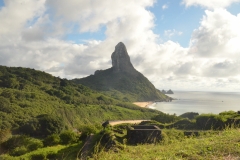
<point>177,44</point>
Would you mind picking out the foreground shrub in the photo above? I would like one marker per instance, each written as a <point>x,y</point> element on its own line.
<point>52,140</point>
<point>18,151</point>
<point>210,121</point>
<point>42,125</point>
<point>52,155</point>
<point>38,156</point>
<point>21,144</point>
<point>68,137</point>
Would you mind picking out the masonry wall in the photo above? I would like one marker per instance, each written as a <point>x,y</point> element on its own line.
<point>143,134</point>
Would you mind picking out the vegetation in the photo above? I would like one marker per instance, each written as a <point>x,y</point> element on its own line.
<point>123,86</point>
<point>46,117</point>
<point>209,145</point>
<point>37,104</point>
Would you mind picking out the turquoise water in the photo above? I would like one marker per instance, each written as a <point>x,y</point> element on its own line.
<point>201,102</point>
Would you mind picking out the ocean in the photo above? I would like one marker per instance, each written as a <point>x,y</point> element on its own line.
<point>201,102</point>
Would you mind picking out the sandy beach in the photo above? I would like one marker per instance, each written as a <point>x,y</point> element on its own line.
<point>143,104</point>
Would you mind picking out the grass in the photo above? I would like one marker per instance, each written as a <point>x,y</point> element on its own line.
<point>209,145</point>
<point>63,152</point>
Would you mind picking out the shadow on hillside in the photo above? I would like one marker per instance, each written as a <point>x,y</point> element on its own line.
<point>70,152</point>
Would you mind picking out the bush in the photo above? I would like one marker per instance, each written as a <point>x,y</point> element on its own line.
<point>34,144</point>
<point>52,140</point>
<point>166,118</point>
<point>52,155</point>
<point>189,115</point>
<point>43,125</point>
<point>21,144</point>
<point>18,151</point>
<point>210,121</point>
<point>68,137</point>
<point>38,156</point>
<point>5,134</point>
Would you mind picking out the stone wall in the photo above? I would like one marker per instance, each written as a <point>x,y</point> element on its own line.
<point>143,134</point>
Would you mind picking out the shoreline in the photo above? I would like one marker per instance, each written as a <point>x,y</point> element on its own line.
<point>144,104</point>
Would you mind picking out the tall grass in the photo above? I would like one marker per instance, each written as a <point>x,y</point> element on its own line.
<point>210,145</point>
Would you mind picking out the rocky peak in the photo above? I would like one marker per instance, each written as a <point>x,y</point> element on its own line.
<point>121,60</point>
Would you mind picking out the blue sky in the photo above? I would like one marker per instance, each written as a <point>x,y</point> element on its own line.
<point>182,45</point>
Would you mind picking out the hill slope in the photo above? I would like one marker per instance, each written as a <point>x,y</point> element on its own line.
<point>27,94</point>
<point>122,80</point>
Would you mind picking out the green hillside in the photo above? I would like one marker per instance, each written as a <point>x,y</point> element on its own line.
<point>27,96</point>
<point>123,85</point>
<point>122,81</point>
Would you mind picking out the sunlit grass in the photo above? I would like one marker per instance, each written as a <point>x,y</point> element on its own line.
<point>63,152</point>
<point>215,145</point>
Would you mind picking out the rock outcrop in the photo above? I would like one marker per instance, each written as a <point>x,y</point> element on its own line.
<point>121,60</point>
<point>169,92</point>
<point>163,91</point>
<point>122,81</point>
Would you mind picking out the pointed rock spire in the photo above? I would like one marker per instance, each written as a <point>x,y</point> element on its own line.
<point>121,60</point>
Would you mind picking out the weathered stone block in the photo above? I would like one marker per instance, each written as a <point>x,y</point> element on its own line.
<point>143,134</point>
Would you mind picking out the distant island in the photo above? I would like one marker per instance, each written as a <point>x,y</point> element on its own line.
<point>167,92</point>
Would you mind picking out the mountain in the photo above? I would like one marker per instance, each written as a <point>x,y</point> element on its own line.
<point>38,103</point>
<point>122,81</point>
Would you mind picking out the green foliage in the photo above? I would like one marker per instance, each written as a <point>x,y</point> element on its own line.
<point>43,125</point>
<point>223,145</point>
<point>123,86</point>
<point>184,124</point>
<point>52,140</point>
<point>38,156</point>
<point>21,144</point>
<point>189,115</point>
<point>5,105</point>
<point>165,118</point>
<point>52,155</point>
<point>5,134</point>
<point>68,137</point>
<point>39,93</point>
<point>210,121</point>
<point>89,129</point>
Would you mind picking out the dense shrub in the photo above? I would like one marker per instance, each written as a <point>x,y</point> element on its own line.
<point>189,115</point>
<point>68,137</point>
<point>5,105</point>
<point>52,156</point>
<point>5,134</point>
<point>166,118</point>
<point>38,156</point>
<point>43,125</point>
<point>52,140</point>
<point>183,124</point>
<point>210,121</point>
<point>21,144</point>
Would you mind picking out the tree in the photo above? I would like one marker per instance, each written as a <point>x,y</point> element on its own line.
<point>43,125</point>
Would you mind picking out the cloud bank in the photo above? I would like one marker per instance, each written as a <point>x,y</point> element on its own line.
<point>32,34</point>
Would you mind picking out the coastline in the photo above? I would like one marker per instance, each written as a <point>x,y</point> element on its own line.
<point>144,104</point>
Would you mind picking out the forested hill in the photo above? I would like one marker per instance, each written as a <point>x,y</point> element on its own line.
<point>27,95</point>
<point>122,81</point>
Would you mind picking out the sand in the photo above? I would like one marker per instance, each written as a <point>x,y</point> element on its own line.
<point>143,104</point>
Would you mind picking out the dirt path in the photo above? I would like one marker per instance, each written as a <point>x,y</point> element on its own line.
<point>112,123</point>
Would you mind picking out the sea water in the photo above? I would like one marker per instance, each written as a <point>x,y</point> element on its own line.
<point>201,102</point>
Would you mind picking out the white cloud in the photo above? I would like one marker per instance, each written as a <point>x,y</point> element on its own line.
<point>16,14</point>
<point>34,38</point>
<point>218,36</point>
<point>210,3</point>
<point>171,33</point>
<point>165,6</point>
